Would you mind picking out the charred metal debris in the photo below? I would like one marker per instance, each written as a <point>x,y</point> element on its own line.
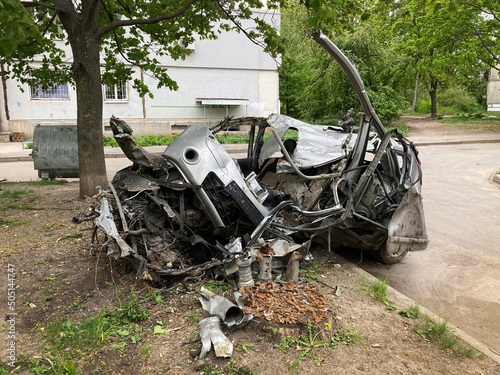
<point>194,208</point>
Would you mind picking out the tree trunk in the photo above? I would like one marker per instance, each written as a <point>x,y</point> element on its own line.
<point>89,121</point>
<point>415,92</point>
<point>84,43</point>
<point>432,93</point>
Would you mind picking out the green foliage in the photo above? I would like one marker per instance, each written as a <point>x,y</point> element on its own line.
<point>193,315</point>
<point>456,100</point>
<point>305,344</point>
<point>312,84</point>
<point>349,338</point>
<point>68,341</point>
<point>439,332</point>
<point>119,32</point>
<point>58,277</point>
<point>401,127</point>
<point>49,181</point>
<point>232,369</point>
<point>110,141</point>
<point>17,198</point>
<point>17,26</point>
<point>440,44</point>
<point>216,287</point>
<point>75,235</point>
<point>377,290</point>
<point>423,106</point>
<point>13,222</point>
<point>145,350</point>
<point>387,104</point>
<point>412,312</point>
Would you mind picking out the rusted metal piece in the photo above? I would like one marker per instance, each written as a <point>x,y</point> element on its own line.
<point>285,303</point>
<point>265,268</point>
<point>292,270</point>
<point>245,272</point>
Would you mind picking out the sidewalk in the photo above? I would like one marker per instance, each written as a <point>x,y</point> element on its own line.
<point>13,151</point>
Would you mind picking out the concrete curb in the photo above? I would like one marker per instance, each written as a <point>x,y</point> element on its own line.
<point>405,302</point>
<point>455,142</point>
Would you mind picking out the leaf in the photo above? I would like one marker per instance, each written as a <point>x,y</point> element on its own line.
<point>135,339</point>
<point>159,330</point>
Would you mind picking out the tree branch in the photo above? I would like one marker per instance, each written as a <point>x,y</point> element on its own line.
<point>490,52</point>
<point>34,4</point>
<point>492,66</point>
<point>145,21</point>
<point>115,37</point>
<point>231,18</point>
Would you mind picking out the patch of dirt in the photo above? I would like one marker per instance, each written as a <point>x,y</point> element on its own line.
<point>58,278</point>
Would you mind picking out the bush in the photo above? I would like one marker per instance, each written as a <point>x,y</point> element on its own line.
<point>423,106</point>
<point>387,104</point>
<point>457,99</point>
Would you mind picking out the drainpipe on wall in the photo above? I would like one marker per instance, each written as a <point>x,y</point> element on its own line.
<point>4,110</point>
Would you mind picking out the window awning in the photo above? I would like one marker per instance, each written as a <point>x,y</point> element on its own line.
<point>222,101</point>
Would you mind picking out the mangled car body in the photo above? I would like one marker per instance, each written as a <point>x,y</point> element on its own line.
<point>195,207</point>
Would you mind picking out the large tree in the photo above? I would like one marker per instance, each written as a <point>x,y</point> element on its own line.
<point>438,38</point>
<point>312,84</point>
<point>114,32</point>
<point>488,31</point>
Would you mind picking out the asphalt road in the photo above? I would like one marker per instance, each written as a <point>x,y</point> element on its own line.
<point>458,276</point>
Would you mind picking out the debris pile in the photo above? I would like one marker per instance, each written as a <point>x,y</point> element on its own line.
<point>285,303</point>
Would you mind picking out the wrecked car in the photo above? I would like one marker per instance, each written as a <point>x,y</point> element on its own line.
<point>195,208</point>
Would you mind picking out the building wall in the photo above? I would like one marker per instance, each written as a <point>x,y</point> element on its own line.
<point>493,93</point>
<point>231,67</point>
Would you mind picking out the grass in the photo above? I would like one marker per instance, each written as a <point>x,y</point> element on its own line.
<point>48,182</point>
<point>311,272</point>
<point>68,341</point>
<point>17,199</point>
<point>144,141</point>
<point>349,338</point>
<point>165,140</point>
<point>75,235</point>
<point>12,222</point>
<point>488,123</point>
<point>440,333</point>
<point>413,312</point>
<point>377,290</point>
<point>231,369</point>
<point>308,344</point>
<point>193,315</point>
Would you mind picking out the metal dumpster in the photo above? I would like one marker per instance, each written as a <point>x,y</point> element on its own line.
<point>55,151</point>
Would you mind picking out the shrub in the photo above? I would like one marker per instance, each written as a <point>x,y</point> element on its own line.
<point>458,99</point>
<point>387,104</point>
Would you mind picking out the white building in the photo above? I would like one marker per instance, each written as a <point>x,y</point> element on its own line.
<point>493,93</point>
<point>228,76</point>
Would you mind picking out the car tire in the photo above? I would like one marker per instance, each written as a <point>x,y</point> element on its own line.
<point>388,258</point>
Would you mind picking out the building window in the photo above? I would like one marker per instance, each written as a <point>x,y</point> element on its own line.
<point>56,92</point>
<point>116,92</point>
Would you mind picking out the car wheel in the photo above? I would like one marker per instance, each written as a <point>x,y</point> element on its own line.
<point>390,258</point>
